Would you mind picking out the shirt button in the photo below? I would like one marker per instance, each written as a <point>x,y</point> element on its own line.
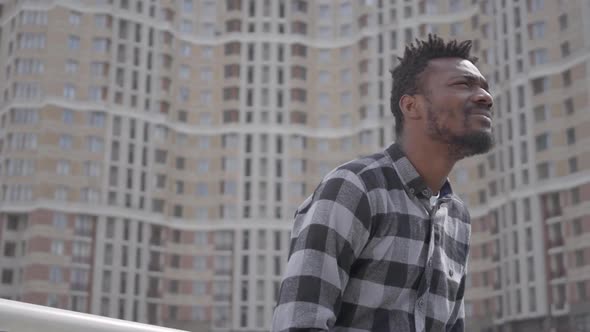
<point>451,273</point>
<point>420,303</point>
<point>411,190</point>
<point>426,193</point>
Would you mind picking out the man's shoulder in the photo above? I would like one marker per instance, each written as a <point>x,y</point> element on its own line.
<point>460,209</point>
<point>371,170</point>
<point>365,163</point>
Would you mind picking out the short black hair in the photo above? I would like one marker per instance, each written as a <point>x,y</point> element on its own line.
<point>415,60</point>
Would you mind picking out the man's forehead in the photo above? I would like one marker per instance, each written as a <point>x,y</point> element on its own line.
<point>452,66</point>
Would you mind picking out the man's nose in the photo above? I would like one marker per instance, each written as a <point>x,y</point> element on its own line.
<point>483,97</point>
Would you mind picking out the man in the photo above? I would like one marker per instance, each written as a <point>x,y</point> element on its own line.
<point>382,244</point>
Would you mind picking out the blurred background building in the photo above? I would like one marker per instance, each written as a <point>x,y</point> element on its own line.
<point>153,152</point>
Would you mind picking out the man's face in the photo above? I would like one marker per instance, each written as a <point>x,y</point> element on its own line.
<point>458,106</point>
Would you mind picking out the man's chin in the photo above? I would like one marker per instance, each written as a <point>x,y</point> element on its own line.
<point>473,143</point>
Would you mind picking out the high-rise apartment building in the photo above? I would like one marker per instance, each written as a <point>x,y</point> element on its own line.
<point>153,152</point>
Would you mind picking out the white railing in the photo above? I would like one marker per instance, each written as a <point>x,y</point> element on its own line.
<point>24,317</point>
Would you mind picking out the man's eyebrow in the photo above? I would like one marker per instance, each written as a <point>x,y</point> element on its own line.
<point>474,78</point>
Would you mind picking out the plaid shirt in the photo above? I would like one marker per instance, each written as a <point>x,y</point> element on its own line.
<point>369,252</point>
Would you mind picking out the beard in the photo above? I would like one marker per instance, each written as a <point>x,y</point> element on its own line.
<point>472,142</point>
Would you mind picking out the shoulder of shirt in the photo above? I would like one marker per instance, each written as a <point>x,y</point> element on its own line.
<point>461,208</point>
<point>360,167</point>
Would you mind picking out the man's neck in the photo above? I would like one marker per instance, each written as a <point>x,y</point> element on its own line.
<point>431,159</point>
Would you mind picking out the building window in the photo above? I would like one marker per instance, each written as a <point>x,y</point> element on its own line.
<point>569,106</point>
<point>540,85</point>
<point>60,220</point>
<point>202,189</point>
<point>89,195</point>
<point>180,163</point>
<point>63,167</point>
<point>577,226</point>
<point>100,45</point>
<point>571,136</point>
<point>563,23</point>
<point>158,205</point>
<point>537,30</point>
<point>539,56</point>
<point>69,91</point>
<point>575,195</point>
<point>456,29</point>
<point>67,116</point>
<point>540,113</point>
<point>74,42</point>
<point>101,21</point>
<point>173,286</point>
<point>573,164</point>
<point>29,66</point>
<point>533,6</point>
<point>75,18</point>
<point>185,49</point>
<point>30,40</point>
<point>33,17</point>
<point>55,274</point>
<point>65,141</point>
<point>543,170</point>
<point>567,78</point>
<point>9,249</point>
<point>199,288</point>
<point>183,94</point>
<point>71,66</point>
<point>565,49</point>
<point>94,144</point>
<point>7,276</point>
<point>186,26</point>
<point>542,142</point>
<point>579,258</point>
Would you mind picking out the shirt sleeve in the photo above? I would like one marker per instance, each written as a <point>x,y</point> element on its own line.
<point>458,324</point>
<point>330,230</point>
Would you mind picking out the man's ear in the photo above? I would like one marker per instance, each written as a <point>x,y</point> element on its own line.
<point>410,106</point>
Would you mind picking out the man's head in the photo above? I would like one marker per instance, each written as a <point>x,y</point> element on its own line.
<point>438,94</point>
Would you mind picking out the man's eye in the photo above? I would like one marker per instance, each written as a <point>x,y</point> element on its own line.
<point>462,83</point>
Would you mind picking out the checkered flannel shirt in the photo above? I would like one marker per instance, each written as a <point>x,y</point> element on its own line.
<point>369,252</point>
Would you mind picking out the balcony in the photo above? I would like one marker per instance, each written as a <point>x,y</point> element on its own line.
<point>156,241</point>
<point>19,316</point>
<point>154,293</point>
<point>555,243</point>
<point>81,259</point>
<point>79,287</point>
<point>497,285</point>
<point>223,272</point>
<point>494,229</point>
<point>496,257</point>
<point>224,246</point>
<point>155,267</point>
<point>559,273</point>
<point>222,297</point>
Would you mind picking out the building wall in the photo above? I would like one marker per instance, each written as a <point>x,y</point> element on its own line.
<point>153,153</point>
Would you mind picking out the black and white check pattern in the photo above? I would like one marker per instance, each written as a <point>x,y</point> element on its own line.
<point>370,253</point>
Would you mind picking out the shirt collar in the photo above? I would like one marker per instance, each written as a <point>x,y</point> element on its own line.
<point>412,181</point>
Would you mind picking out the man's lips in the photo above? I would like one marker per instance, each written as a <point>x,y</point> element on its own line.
<point>486,114</point>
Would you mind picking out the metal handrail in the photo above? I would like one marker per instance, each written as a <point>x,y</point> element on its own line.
<point>24,317</point>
